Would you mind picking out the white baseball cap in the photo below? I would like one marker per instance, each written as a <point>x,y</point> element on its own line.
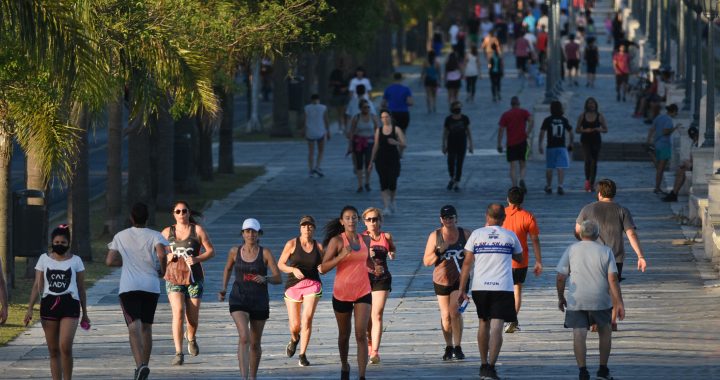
<point>251,224</point>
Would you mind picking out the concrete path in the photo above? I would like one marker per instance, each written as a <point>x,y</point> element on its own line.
<point>672,329</point>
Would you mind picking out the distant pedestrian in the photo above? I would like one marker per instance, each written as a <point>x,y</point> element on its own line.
<point>317,131</point>
<point>359,79</point>
<point>557,127</point>
<point>445,251</point>
<point>382,249</point>
<point>457,140</point>
<point>487,44</point>
<point>301,259</point>
<point>249,301</point>
<point>614,219</point>
<point>621,66</point>
<point>572,58</point>
<point>387,150</point>
<point>60,283</point>
<point>685,166</point>
<point>590,124</point>
<point>522,222</point>
<point>496,70</point>
<point>453,34</point>
<point>353,106</point>
<point>348,253</point>
<point>340,94</point>
<point>542,47</point>
<point>518,124</point>
<point>523,49</point>
<point>185,283</point>
<point>488,254</point>
<point>142,254</point>
<point>593,290</point>
<point>453,77</point>
<point>659,136</point>
<point>472,72</point>
<point>361,139</point>
<point>398,98</point>
<point>592,59</point>
<point>430,77</point>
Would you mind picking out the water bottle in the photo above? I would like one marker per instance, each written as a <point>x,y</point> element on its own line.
<point>463,306</point>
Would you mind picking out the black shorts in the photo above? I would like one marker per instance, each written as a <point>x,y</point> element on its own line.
<point>517,152</point>
<point>139,305</point>
<point>254,315</point>
<point>453,84</point>
<point>55,308</point>
<point>519,275</point>
<point>381,284</point>
<point>402,119</point>
<point>442,290</point>
<point>347,306</point>
<point>494,305</point>
<point>573,64</point>
<point>430,82</point>
<point>591,68</point>
<point>521,63</point>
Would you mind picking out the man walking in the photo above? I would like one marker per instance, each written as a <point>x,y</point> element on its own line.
<point>488,253</point>
<point>519,123</point>
<point>522,223</point>
<point>398,98</point>
<point>141,253</point>
<point>592,291</point>
<point>556,126</point>
<point>659,135</point>
<point>317,131</point>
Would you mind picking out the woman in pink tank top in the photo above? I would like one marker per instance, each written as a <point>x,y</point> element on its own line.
<point>348,252</point>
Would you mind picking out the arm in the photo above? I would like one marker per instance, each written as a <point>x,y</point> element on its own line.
<point>465,274</point>
<point>501,130</point>
<point>113,258</point>
<point>83,296</point>
<point>334,254</point>
<point>616,295</point>
<point>579,128</point>
<point>577,231</point>
<point>326,120</point>
<point>391,243</point>
<point>409,101</point>
<point>432,254</point>
<point>651,135</point>
<point>376,145</point>
<point>444,147</point>
<point>206,244</point>
<point>270,263</point>
<point>402,144</point>
<point>471,149</point>
<point>535,239</point>
<point>603,123</point>
<point>162,256</point>
<point>635,244</point>
<point>36,289</point>
<point>560,285</point>
<point>540,140</point>
<point>227,272</point>
<point>285,256</point>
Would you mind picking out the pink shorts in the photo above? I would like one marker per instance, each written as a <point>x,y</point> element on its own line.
<point>304,288</point>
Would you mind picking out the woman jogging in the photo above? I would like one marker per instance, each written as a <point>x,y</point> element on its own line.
<point>590,125</point>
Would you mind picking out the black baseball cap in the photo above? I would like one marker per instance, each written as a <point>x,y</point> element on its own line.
<point>447,210</point>
<point>672,108</point>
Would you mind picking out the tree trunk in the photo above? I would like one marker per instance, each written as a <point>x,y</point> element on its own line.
<point>226,161</point>
<point>113,189</point>
<point>185,171</point>
<point>36,180</point>
<point>322,72</point>
<point>164,138</point>
<point>6,150</point>
<point>78,196</point>
<point>139,186</point>
<point>280,113</point>
<point>205,129</point>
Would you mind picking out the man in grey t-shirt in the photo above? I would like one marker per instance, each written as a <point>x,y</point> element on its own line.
<point>593,290</point>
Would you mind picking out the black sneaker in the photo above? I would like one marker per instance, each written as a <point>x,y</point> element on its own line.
<point>672,197</point>
<point>458,353</point>
<point>142,372</point>
<point>456,188</point>
<point>291,347</point>
<point>448,353</point>
<point>491,373</point>
<point>483,371</point>
<point>303,362</point>
<point>318,172</point>
<point>522,186</point>
<point>367,187</point>
<point>560,190</point>
<point>603,373</point>
<point>584,374</point>
<point>548,190</point>
<point>450,184</point>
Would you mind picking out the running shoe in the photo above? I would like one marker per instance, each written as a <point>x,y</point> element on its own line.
<point>291,347</point>
<point>659,191</point>
<point>359,190</point>
<point>303,362</point>
<point>311,174</point>
<point>603,373</point>
<point>560,190</point>
<point>458,353</point>
<point>511,327</point>
<point>367,187</point>
<point>456,188</point>
<point>178,359</point>
<point>522,186</point>
<point>584,374</point>
<point>375,358</point>
<point>491,373</point>
<point>483,371</point>
<point>672,197</point>
<point>318,172</point>
<point>142,372</point>
<point>548,190</point>
<point>450,184</point>
<point>193,348</point>
<point>448,353</point>
<point>393,207</point>
<point>588,188</point>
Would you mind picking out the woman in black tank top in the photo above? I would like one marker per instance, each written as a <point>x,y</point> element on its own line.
<point>590,125</point>
<point>301,259</point>
<point>389,143</point>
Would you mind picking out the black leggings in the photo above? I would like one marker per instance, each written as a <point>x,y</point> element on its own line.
<point>591,151</point>
<point>495,84</point>
<point>470,83</point>
<point>388,176</point>
<point>455,160</point>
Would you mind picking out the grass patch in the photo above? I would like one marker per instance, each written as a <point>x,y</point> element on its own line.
<point>219,188</point>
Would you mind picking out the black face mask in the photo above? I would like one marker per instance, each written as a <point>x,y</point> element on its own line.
<point>456,111</point>
<point>60,249</point>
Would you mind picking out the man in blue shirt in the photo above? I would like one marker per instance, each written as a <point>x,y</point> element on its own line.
<point>659,134</point>
<point>397,98</point>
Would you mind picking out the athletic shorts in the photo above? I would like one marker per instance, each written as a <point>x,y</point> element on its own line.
<point>304,288</point>
<point>383,284</point>
<point>583,319</point>
<point>494,305</point>
<point>519,275</point>
<point>254,315</point>
<point>194,290</point>
<point>347,306</point>
<point>402,119</point>
<point>663,153</point>
<point>591,69</point>
<point>140,305</point>
<point>621,78</point>
<point>573,64</point>
<point>55,308</point>
<point>319,139</point>
<point>521,63</point>
<point>517,152</point>
<point>557,158</point>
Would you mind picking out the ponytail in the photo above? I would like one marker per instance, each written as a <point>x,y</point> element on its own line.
<point>334,227</point>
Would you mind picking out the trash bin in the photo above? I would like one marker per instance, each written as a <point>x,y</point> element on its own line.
<point>295,93</point>
<point>28,230</point>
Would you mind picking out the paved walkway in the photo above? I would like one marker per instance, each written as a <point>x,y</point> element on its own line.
<point>672,329</point>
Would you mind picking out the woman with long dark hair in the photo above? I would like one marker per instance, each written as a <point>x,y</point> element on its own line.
<point>496,70</point>
<point>361,141</point>
<point>453,77</point>
<point>387,150</point>
<point>590,125</point>
<point>430,77</point>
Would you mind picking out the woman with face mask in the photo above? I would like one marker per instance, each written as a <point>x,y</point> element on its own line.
<point>456,141</point>
<point>60,280</point>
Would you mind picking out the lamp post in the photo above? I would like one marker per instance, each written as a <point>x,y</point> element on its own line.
<point>698,63</point>
<point>710,9</point>
<point>688,48</point>
<point>552,54</point>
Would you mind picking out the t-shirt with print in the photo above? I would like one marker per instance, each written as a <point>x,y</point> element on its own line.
<point>493,247</point>
<point>587,263</point>
<point>555,127</point>
<point>514,121</point>
<point>140,263</point>
<point>521,222</point>
<point>397,96</point>
<point>60,276</point>
<point>614,220</point>
<point>457,133</point>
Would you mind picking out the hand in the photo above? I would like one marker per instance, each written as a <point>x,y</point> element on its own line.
<point>620,311</point>
<point>538,269</point>
<point>190,260</point>
<point>500,149</point>
<point>221,295</point>
<point>298,273</point>
<point>319,269</point>
<point>562,303</point>
<point>463,296</point>
<point>260,279</point>
<point>370,166</point>
<point>391,255</point>
<point>642,264</point>
<point>28,316</point>
<point>85,319</point>
<point>393,141</point>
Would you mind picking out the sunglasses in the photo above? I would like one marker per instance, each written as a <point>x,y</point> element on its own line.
<point>448,217</point>
<point>372,220</point>
<point>183,211</point>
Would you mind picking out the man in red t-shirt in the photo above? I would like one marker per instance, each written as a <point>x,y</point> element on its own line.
<point>542,41</point>
<point>621,65</point>
<point>522,223</point>
<point>518,123</point>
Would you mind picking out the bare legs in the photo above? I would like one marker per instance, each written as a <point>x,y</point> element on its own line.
<point>549,177</point>
<point>451,320</point>
<point>361,311</point>
<point>300,323</point>
<point>375,326</point>
<point>659,171</point>
<point>59,336</point>
<point>249,349</point>
<point>513,171</point>
<point>140,341</point>
<point>490,340</point>
<point>580,346</point>
<point>430,98</point>
<point>312,164</point>
<point>183,310</point>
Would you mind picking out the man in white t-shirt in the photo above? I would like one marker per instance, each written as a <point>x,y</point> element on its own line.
<point>453,32</point>
<point>489,253</point>
<point>141,253</point>
<point>317,131</point>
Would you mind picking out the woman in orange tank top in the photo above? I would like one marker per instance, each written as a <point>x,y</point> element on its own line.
<point>348,252</point>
